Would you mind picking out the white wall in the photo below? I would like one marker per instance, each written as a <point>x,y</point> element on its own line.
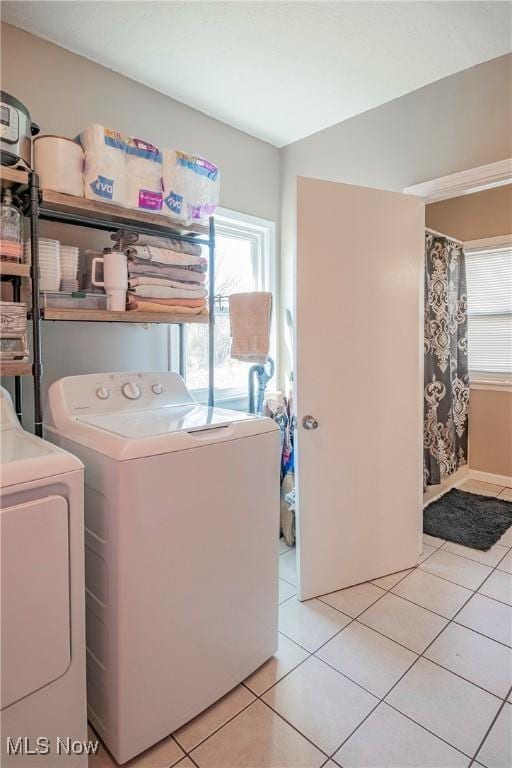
<point>65,93</point>
<point>456,123</point>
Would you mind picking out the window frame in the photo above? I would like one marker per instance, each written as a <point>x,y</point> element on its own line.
<point>489,380</point>
<point>262,235</point>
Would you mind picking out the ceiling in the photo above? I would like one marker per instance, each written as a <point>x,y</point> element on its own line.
<point>277,70</point>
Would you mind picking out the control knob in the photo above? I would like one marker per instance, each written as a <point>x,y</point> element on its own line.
<point>103,393</point>
<point>157,389</point>
<point>131,390</point>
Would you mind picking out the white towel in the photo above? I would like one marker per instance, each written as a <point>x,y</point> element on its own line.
<point>161,292</point>
<point>249,315</point>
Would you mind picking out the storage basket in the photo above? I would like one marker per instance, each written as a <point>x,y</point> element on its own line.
<point>13,318</point>
<point>14,348</point>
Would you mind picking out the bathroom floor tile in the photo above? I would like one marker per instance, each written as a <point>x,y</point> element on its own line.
<point>496,751</point>
<point>481,487</point>
<point>311,623</point>
<point>426,552</point>
<point>491,557</point>
<point>185,763</point>
<point>407,623</point>
<point>202,726</point>
<point>102,758</point>
<point>498,586</point>
<point>353,600</point>
<point>288,656</point>
<point>506,563</point>
<point>368,658</point>
<point>474,657</point>
<point>163,755</point>
<point>288,567</point>
<point>432,541</point>
<point>488,617</point>
<point>430,592</point>
<point>283,546</point>
<point>386,582</point>
<point>453,709</point>
<point>320,703</point>
<point>506,539</point>
<point>460,570</point>
<point>505,494</point>
<point>286,590</point>
<point>387,739</point>
<point>257,738</point>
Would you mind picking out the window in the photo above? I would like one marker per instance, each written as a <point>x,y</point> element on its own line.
<point>489,285</point>
<point>244,261</point>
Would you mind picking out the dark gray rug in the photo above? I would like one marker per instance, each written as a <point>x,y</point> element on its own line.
<point>468,518</point>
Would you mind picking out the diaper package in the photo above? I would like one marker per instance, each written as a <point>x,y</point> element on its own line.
<point>143,184</point>
<point>190,186</point>
<point>104,170</point>
<point>133,173</point>
<point>121,169</point>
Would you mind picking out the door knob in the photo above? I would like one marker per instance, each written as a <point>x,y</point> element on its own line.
<point>309,422</point>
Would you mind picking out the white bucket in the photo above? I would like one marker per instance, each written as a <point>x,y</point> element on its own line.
<point>59,162</point>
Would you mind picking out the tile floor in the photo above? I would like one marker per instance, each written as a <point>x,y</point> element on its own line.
<point>413,670</point>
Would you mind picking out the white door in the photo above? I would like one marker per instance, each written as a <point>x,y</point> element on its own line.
<point>359,371</point>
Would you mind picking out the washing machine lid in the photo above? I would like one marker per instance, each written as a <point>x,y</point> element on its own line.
<point>134,415</point>
<point>25,457</point>
<point>169,429</point>
<point>168,420</point>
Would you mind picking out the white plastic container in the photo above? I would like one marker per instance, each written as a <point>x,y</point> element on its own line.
<point>74,300</point>
<point>59,162</point>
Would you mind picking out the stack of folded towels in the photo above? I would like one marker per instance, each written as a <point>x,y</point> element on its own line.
<point>166,275</point>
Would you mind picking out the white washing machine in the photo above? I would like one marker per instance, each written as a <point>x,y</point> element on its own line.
<point>42,687</point>
<point>182,520</point>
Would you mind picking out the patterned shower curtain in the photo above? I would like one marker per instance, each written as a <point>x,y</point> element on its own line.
<point>446,392</point>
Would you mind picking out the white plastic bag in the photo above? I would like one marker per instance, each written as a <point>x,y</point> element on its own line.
<point>190,186</point>
<point>104,168</point>
<point>143,175</point>
<point>121,169</point>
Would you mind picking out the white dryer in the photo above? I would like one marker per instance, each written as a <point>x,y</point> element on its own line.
<point>42,688</point>
<point>182,519</point>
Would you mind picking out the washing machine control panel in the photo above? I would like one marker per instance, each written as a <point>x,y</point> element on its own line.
<point>114,392</point>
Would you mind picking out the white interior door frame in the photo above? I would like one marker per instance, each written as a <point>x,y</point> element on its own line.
<point>467,182</point>
<point>464,182</point>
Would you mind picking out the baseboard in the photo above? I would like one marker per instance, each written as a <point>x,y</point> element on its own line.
<point>488,477</point>
<point>458,478</point>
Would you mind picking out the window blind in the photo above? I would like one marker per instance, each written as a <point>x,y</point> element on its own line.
<point>489,287</point>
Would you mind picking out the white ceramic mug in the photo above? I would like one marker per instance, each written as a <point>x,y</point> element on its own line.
<point>115,278</point>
